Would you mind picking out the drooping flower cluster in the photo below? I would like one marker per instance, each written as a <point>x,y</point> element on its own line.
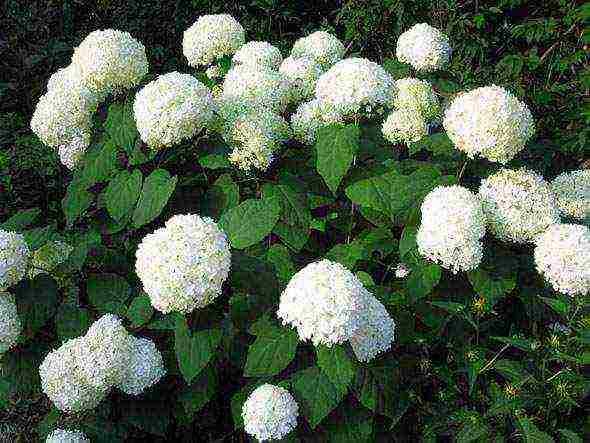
<point>518,204</point>
<point>183,265</point>
<point>572,191</point>
<point>10,325</point>
<point>451,229</point>
<point>172,108</point>
<point>489,122</point>
<point>425,48</point>
<point>212,37</point>
<point>562,256</point>
<point>258,54</point>
<point>321,47</point>
<point>67,436</point>
<point>81,372</point>
<point>404,125</point>
<point>270,413</point>
<point>309,117</point>
<point>14,258</point>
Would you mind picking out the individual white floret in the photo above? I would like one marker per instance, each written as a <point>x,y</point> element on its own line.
<point>183,265</point>
<point>258,54</point>
<point>562,256</point>
<point>518,204</point>
<point>14,258</point>
<point>377,332</point>
<point>489,122</point>
<point>402,270</point>
<point>325,302</point>
<point>425,48</point>
<point>322,47</point>
<point>270,413</point>
<point>302,73</point>
<point>311,116</point>
<point>10,325</point>
<point>172,108</point>
<point>212,37</point>
<point>417,95</point>
<point>111,60</point>
<point>67,436</point>
<point>572,191</point>
<point>145,369</point>
<point>404,125</point>
<point>356,86</point>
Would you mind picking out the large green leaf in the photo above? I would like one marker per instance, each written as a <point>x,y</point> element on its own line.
<point>108,292</point>
<point>271,352</point>
<point>36,301</point>
<point>21,220</point>
<point>76,201</point>
<point>122,193</point>
<point>530,432</point>
<point>336,147</point>
<point>221,196</point>
<point>148,415</point>
<point>472,430</point>
<point>120,125</point>
<point>195,396</point>
<point>496,276</point>
<point>140,311</point>
<point>279,256</point>
<point>72,321</point>
<point>351,424</point>
<point>423,280</point>
<point>338,367</point>
<point>157,189</point>
<point>194,351</point>
<point>99,164</point>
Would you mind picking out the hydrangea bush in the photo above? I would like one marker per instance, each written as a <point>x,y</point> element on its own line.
<point>310,245</point>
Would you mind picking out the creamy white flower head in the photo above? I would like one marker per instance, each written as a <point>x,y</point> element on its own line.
<point>71,77</point>
<point>572,190</point>
<point>172,108</point>
<point>14,258</point>
<point>212,37</point>
<point>67,436</point>
<point>72,153</point>
<point>322,47</point>
<point>63,379</point>
<point>183,265</point>
<point>356,86</point>
<point>425,48</point>
<point>111,60</point>
<point>377,332</point>
<point>404,125</point>
<point>417,95</point>
<point>258,87</point>
<point>562,256</point>
<point>489,122</point>
<point>145,369</point>
<point>451,229</point>
<point>325,302</point>
<point>10,325</point>
<point>402,270</point>
<point>214,72</point>
<point>302,73</point>
<point>270,413</point>
<point>518,204</point>
<point>311,116</point>
<point>258,54</point>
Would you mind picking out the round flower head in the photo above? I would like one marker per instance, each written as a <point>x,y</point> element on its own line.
<point>270,413</point>
<point>322,47</point>
<point>311,116</point>
<point>172,108</point>
<point>256,87</point>
<point>258,54</point>
<point>14,258</point>
<point>417,95</point>
<point>63,379</point>
<point>212,37</point>
<point>111,60</point>
<point>324,302</point>
<point>572,191</point>
<point>183,265</point>
<point>518,204</point>
<point>302,74</point>
<point>451,229</point>
<point>146,367</point>
<point>489,122</point>
<point>404,125</point>
<point>376,333</point>
<point>72,153</point>
<point>64,436</point>
<point>356,86</point>
<point>562,256</point>
<point>71,77</point>
<point>424,47</point>
<point>10,325</point>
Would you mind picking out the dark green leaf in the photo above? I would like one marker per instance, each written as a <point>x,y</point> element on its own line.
<point>570,436</point>
<point>223,195</point>
<point>472,430</point>
<point>36,301</point>
<point>194,351</point>
<point>279,256</point>
<point>120,125</point>
<point>21,220</point>
<point>108,292</point>
<point>423,280</point>
<point>140,311</point>
<point>122,193</point>
<point>76,201</point>
<point>338,367</point>
<point>214,161</point>
<point>272,351</point>
<point>530,432</point>
<point>72,321</point>
<point>157,189</point>
<point>195,396</point>
<point>336,147</point>
<point>148,416</point>
<point>558,305</point>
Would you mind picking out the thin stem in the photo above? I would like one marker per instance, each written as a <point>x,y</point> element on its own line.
<point>491,362</point>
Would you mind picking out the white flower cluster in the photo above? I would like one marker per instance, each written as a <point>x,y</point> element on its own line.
<point>183,265</point>
<point>79,374</point>
<point>212,37</point>
<point>302,74</point>
<point>66,436</point>
<point>425,48</point>
<point>10,325</point>
<point>172,108</point>
<point>376,333</point>
<point>258,54</point>
<point>451,229</point>
<point>518,204</point>
<point>562,256</point>
<point>404,125</point>
<point>270,413</point>
<point>489,122</point>
<point>572,191</point>
<point>14,258</point>
<point>309,117</point>
<point>321,47</point>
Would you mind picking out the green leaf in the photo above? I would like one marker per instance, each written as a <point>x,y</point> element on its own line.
<point>271,352</point>
<point>438,144</point>
<point>120,125</point>
<point>149,416</point>
<point>251,275</point>
<point>396,68</point>
<point>423,280</point>
<point>449,306</point>
<point>407,242</point>
<point>520,343</point>
<point>251,221</point>
<point>72,321</point>
<point>493,285</point>
<point>570,436</point>
<point>194,351</point>
<point>36,301</point>
<point>76,201</point>
<point>279,256</point>
<point>214,161</point>
<point>122,193</point>
<point>99,164</point>
<point>195,396</point>
<point>221,196</point>
<point>472,430</point>
<point>157,189</point>
<point>511,370</point>
<point>558,305</point>
<point>336,147</point>
<point>347,254</point>
<point>530,432</point>
<point>37,237</point>
<point>21,220</point>
<point>352,425</point>
<point>377,388</point>
<point>338,367</point>
<point>140,311</point>
<point>108,293</point>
